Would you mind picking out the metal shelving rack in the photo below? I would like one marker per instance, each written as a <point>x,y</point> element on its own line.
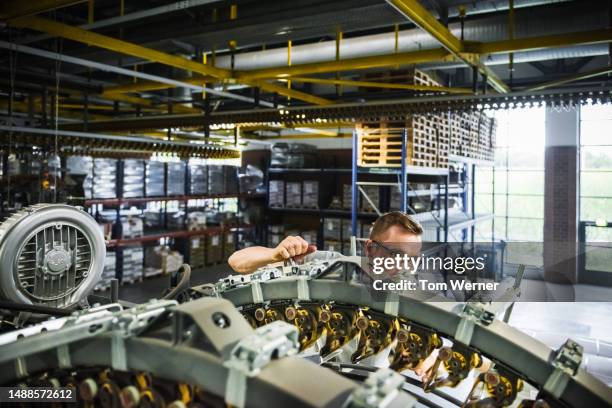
<point>418,172</point>
<point>117,244</point>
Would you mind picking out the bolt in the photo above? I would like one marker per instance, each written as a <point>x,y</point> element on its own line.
<point>362,323</point>
<point>324,316</point>
<point>88,389</point>
<point>260,314</point>
<point>290,313</point>
<point>129,397</point>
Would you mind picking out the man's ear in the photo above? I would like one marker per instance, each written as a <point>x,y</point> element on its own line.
<point>368,247</point>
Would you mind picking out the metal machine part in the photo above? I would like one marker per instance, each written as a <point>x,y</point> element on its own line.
<point>50,254</point>
<point>448,345</point>
<point>201,353</point>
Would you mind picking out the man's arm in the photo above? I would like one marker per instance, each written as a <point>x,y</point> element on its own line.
<point>247,260</point>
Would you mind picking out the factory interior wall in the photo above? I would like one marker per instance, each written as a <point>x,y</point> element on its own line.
<point>561,189</point>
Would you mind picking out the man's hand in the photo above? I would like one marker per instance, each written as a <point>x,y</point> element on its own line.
<point>293,247</point>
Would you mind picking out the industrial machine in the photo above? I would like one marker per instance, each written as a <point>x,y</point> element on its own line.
<point>51,257</point>
<point>310,335</point>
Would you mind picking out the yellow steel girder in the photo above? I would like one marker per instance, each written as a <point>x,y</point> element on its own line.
<point>419,15</point>
<point>572,78</point>
<point>10,9</point>
<point>124,47</point>
<point>368,84</point>
<point>545,41</point>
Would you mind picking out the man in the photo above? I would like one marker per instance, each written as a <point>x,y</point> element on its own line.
<point>391,230</point>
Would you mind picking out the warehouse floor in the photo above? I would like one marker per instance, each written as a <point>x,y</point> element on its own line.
<point>154,287</point>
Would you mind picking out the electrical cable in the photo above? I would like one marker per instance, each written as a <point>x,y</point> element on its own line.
<point>184,273</point>
<point>40,309</point>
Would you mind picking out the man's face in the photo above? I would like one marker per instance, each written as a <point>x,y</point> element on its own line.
<point>394,241</point>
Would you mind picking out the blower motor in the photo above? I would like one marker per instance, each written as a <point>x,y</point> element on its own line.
<point>50,254</point>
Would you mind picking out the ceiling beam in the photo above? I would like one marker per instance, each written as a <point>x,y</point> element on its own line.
<point>10,9</point>
<point>545,41</point>
<point>368,84</point>
<point>349,64</point>
<point>571,78</point>
<point>420,16</point>
<point>135,50</point>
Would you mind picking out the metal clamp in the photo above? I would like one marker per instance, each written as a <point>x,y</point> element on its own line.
<point>275,340</point>
<point>303,289</point>
<point>566,361</point>
<point>472,314</point>
<point>378,390</point>
<point>256,292</point>
<point>392,304</point>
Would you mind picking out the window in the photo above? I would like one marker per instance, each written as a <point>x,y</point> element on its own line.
<point>514,189</point>
<point>596,163</point>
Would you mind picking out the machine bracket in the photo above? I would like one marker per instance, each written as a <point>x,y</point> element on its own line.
<point>472,314</point>
<point>566,361</point>
<point>275,340</point>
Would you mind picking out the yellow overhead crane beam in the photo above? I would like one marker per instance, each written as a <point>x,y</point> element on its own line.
<point>368,84</point>
<point>10,9</point>
<point>423,18</point>
<point>144,86</point>
<point>135,50</point>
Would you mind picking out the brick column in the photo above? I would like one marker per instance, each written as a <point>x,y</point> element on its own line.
<point>561,191</point>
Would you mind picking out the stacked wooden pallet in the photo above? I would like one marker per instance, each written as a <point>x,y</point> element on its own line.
<point>431,138</point>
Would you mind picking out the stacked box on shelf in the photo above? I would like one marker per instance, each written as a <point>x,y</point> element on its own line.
<point>332,245</point>
<point>131,227</point>
<point>155,178</point>
<point>216,179</point>
<point>293,194</point>
<point>230,179</point>
<point>199,179</point>
<point>229,244</point>
<point>109,272</point>
<point>104,178</point>
<point>214,248</point>
<point>332,228</point>
<point>310,194</point>
<point>276,233</point>
<point>176,178</point>
<point>373,193</point>
<point>82,166</point>
<point>363,204</point>
<point>133,260</point>
<point>197,250</point>
<point>175,220</point>
<point>152,261</point>
<point>309,236</point>
<point>133,178</point>
<point>276,194</point>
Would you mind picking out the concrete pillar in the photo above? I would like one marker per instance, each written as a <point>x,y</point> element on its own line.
<point>561,189</point>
